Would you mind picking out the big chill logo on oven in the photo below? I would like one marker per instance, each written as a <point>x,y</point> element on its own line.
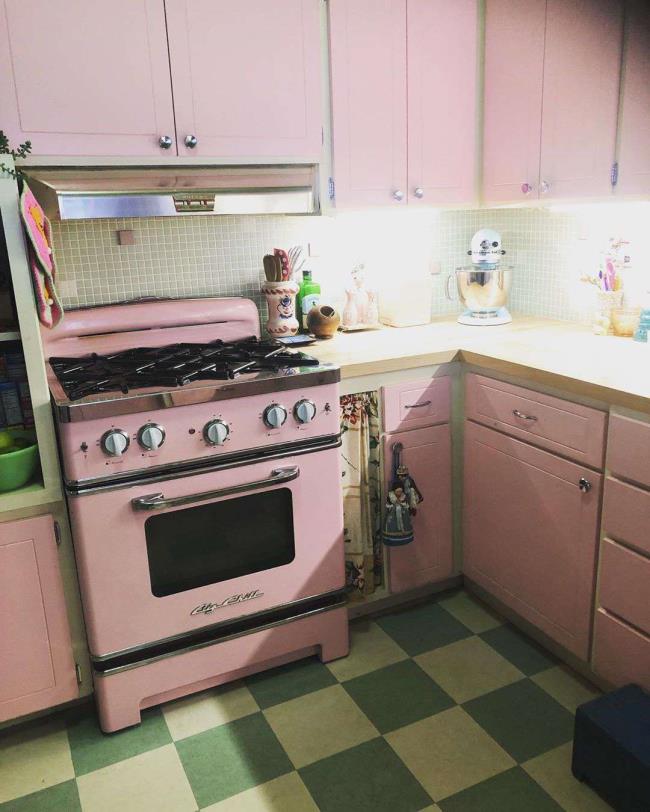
<point>209,608</point>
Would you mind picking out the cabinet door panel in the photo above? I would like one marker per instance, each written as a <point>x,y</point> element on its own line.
<point>530,533</point>
<point>634,135</point>
<point>429,558</point>
<point>368,64</point>
<point>35,650</point>
<point>79,78</point>
<point>442,43</point>
<point>580,100</point>
<point>246,77</point>
<point>514,69</point>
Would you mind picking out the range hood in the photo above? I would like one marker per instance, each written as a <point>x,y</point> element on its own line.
<point>67,193</point>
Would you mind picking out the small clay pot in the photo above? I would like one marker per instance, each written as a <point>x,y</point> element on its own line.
<point>323,321</point>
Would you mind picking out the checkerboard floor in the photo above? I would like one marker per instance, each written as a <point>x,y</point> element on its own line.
<point>438,707</point>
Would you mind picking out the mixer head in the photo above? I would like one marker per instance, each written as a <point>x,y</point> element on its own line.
<point>485,248</point>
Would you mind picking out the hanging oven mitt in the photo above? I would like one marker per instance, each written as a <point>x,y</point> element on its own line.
<point>41,261</point>
<point>401,503</point>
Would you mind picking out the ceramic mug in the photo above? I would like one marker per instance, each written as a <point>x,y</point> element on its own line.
<point>281,301</point>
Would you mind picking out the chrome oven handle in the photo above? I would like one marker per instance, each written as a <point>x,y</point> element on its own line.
<point>157,501</point>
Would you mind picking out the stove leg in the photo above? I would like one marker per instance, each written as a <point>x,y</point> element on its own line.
<point>116,715</point>
<point>336,643</point>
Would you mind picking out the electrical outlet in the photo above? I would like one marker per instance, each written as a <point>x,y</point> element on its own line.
<point>435,269</point>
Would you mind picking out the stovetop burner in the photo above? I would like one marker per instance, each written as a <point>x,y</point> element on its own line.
<point>172,365</point>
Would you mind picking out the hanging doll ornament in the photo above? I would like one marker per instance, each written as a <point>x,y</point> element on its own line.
<point>401,503</point>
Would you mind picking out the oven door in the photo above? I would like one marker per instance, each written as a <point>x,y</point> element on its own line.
<point>165,559</point>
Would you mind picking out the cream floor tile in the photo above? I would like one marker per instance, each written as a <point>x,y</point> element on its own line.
<point>565,687</point>
<point>552,771</point>
<point>319,724</point>
<point>468,668</point>
<point>284,794</point>
<point>150,782</point>
<point>448,752</point>
<point>370,648</point>
<point>200,712</point>
<point>34,758</point>
<point>473,614</point>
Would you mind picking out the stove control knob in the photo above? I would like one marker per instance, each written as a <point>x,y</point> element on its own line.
<point>151,436</point>
<point>274,416</point>
<point>304,411</point>
<point>114,442</point>
<point>216,432</point>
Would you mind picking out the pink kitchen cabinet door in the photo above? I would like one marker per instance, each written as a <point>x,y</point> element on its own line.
<point>80,78</point>
<point>442,114</point>
<point>634,122</point>
<point>530,533</point>
<point>38,669</point>
<point>580,100</point>
<point>368,89</point>
<point>514,74</point>
<point>429,558</point>
<point>246,77</point>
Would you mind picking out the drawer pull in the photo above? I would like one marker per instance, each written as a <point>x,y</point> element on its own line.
<point>584,485</point>
<point>523,416</point>
<point>418,405</point>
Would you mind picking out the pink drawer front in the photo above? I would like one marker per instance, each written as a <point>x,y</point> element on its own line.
<point>568,429</point>
<point>626,514</point>
<point>628,449</point>
<point>621,654</point>
<point>625,584</point>
<point>416,404</point>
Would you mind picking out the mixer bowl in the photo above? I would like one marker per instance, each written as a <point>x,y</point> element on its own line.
<point>483,292</point>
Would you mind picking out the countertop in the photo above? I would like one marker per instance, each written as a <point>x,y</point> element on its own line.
<point>554,353</point>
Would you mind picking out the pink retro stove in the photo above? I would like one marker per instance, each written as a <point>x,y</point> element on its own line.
<point>201,466</point>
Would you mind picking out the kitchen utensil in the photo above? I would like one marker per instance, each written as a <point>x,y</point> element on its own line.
<point>269,267</point>
<point>296,261</point>
<point>17,467</point>
<point>284,260</point>
<point>278,268</point>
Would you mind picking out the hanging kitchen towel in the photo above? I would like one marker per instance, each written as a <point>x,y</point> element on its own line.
<point>401,503</point>
<point>41,260</point>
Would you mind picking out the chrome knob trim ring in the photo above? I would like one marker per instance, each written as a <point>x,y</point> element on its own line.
<point>114,442</point>
<point>151,436</point>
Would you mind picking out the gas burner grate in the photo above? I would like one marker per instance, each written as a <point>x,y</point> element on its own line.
<point>172,365</point>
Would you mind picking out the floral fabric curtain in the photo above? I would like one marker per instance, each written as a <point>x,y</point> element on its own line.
<point>361,492</point>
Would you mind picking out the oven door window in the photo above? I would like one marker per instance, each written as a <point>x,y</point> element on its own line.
<point>208,544</point>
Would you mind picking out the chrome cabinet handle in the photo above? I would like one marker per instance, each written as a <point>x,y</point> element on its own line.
<point>419,193</point>
<point>191,141</point>
<point>584,485</point>
<point>165,141</point>
<point>398,195</point>
<point>523,416</point>
<point>544,187</point>
<point>419,405</point>
<point>157,501</point>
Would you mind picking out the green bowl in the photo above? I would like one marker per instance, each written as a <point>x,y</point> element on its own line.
<point>18,467</point>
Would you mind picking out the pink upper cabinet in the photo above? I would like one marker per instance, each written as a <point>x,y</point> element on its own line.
<point>580,99</point>
<point>441,64</point>
<point>634,133</point>
<point>514,69</point>
<point>80,78</point>
<point>368,64</point>
<point>246,77</point>
<point>35,651</point>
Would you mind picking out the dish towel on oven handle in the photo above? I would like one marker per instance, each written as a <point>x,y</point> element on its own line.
<point>402,501</point>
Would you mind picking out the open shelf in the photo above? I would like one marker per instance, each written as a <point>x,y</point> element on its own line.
<point>10,335</point>
<point>30,495</point>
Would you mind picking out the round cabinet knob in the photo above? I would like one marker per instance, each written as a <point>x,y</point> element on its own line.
<point>216,432</point>
<point>584,484</point>
<point>304,411</point>
<point>165,141</point>
<point>114,442</point>
<point>544,187</point>
<point>191,141</point>
<point>274,416</point>
<point>398,195</point>
<point>526,188</point>
<point>151,436</point>
<point>419,193</point>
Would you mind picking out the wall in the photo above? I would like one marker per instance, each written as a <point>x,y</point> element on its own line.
<point>549,250</point>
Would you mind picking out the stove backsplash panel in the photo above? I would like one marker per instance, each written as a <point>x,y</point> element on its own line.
<point>221,256</point>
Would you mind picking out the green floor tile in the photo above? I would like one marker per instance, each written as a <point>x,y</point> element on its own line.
<point>367,778</point>
<point>512,791</point>
<point>423,628</point>
<point>523,719</point>
<point>397,695</point>
<point>62,797</point>
<point>231,758</point>
<point>520,650</point>
<point>289,681</point>
<point>91,749</point>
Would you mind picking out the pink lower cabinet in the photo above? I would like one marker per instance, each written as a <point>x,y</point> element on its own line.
<point>37,667</point>
<point>429,558</point>
<point>531,532</point>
